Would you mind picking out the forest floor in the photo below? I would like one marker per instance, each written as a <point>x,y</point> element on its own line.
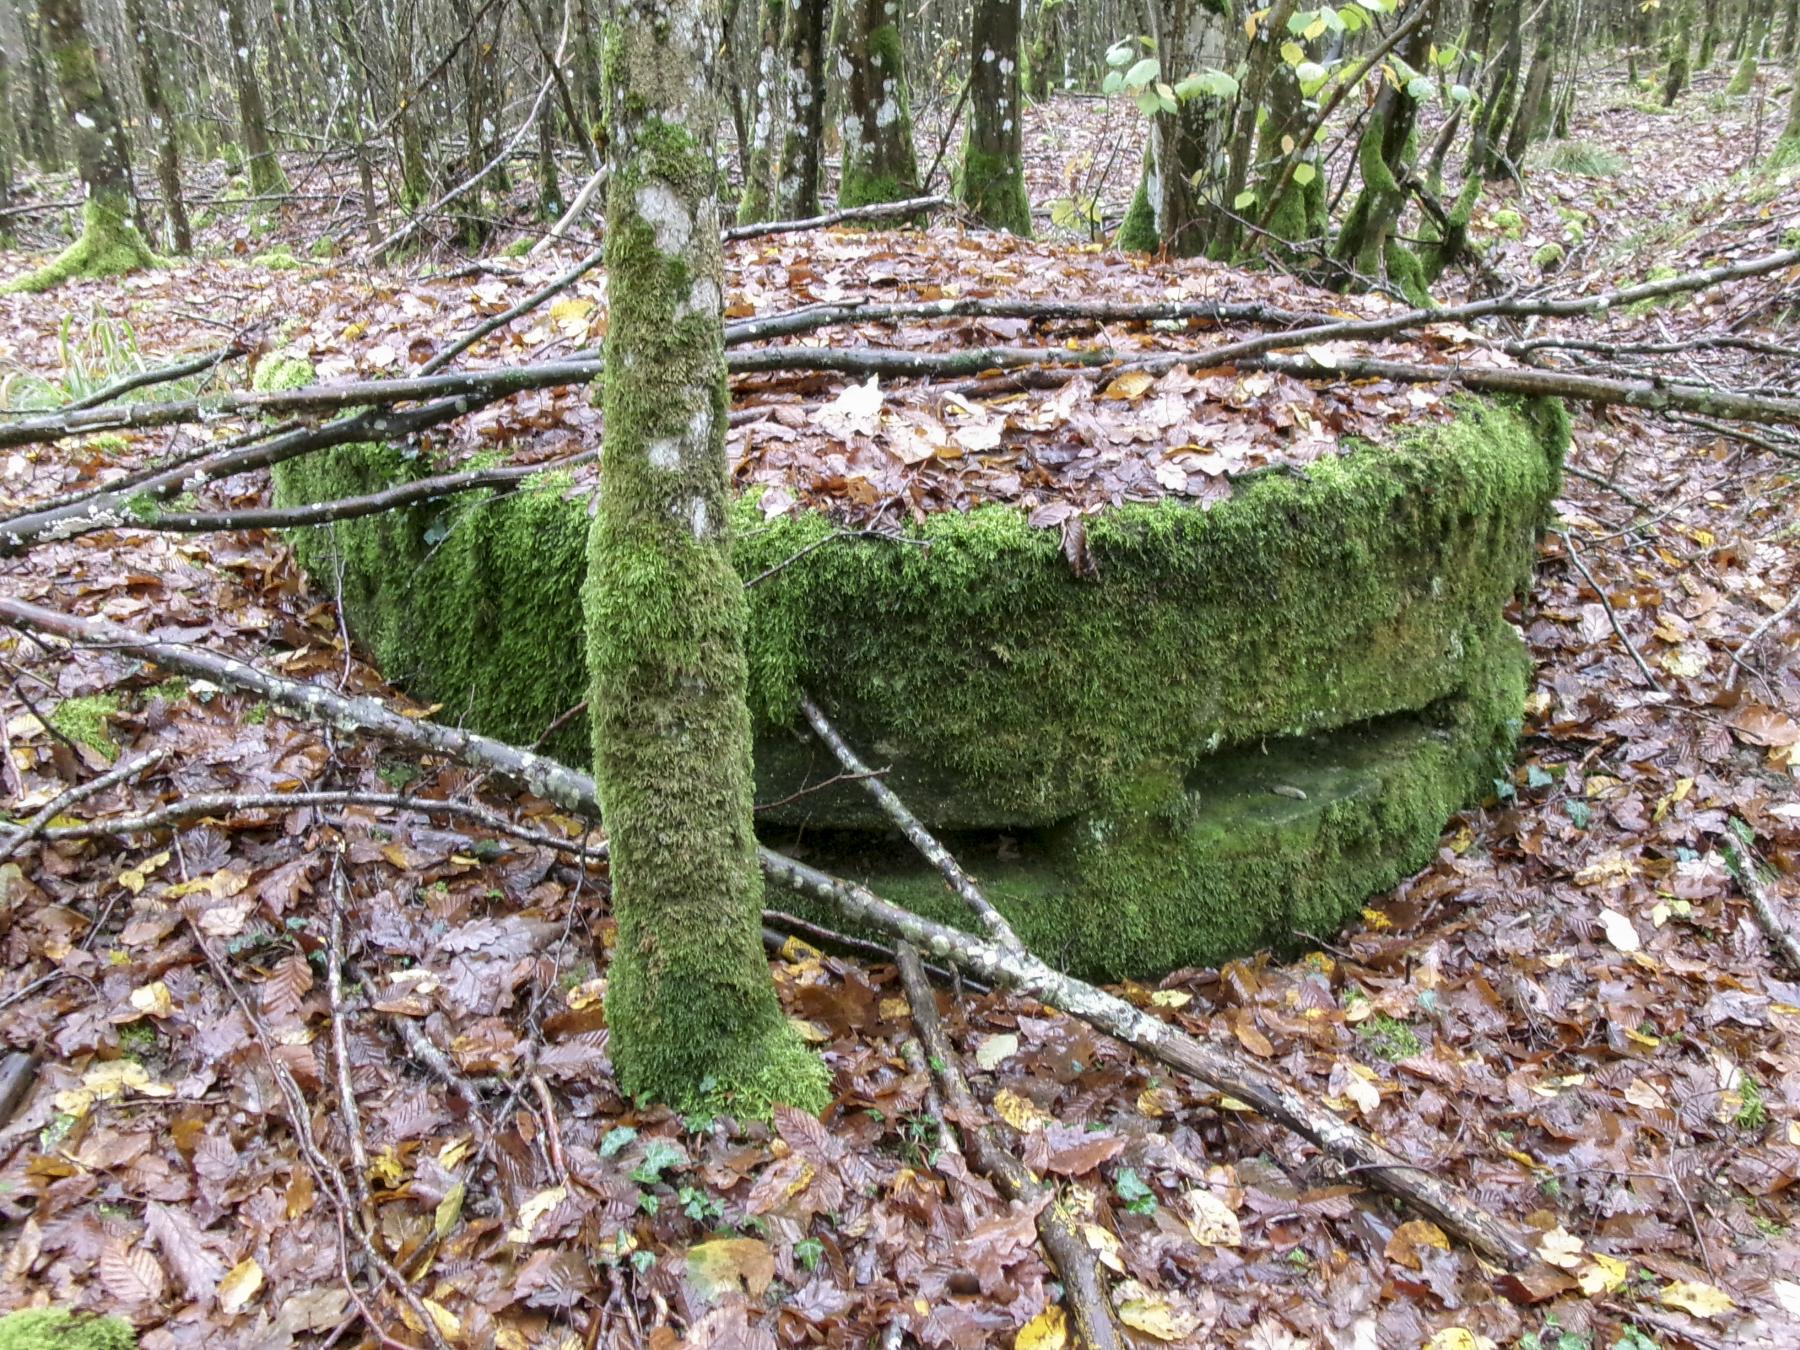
<point>1572,1013</point>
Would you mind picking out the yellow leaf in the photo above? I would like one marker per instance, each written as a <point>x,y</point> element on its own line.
<point>1132,384</point>
<point>995,1051</point>
<point>574,307</point>
<point>1171,998</point>
<point>810,1032</point>
<point>1019,1112</point>
<point>1559,1247</point>
<point>239,1286</point>
<point>717,1268</point>
<point>586,994</point>
<point>153,999</point>
<point>794,951</point>
<point>1233,1104</point>
<point>221,885</point>
<point>449,1325</point>
<point>1153,1314</point>
<point>387,1168</point>
<point>449,1210</point>
<point>1606,1275</point>
<point>1210,1220</point>
<point>1376,919</point>
<point>1453,1338</point>
<point>453,1152</point>
<point>133,878</point>
<point>1702,1300</point>
<point>1049,1330</point>
<point>533,1210</point>
<point>1107,1248</point>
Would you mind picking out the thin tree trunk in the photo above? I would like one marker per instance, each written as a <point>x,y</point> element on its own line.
<point>758,200</point>
<point>803,94</point>
<point>879,164</point>
<point>992,179</point>
<point>109,242</point>
<point>162,127</point>
<point>266,175</point>
<point>690,1004</point>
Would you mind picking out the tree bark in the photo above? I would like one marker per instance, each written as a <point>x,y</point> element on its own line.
<point>1176,206</point>
<point>109,242</point>
<point>992,179</point>
<point>266,175</point>
<point>690,1003</point>
<point>803,100</point>
<point>879,164</point>
<point>162,126</point>
<point>759,201</point>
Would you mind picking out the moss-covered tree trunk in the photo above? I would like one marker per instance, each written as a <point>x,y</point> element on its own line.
<point>1176,206</point>
<point>109,242</point>
<point>1368,246</point>
<point>1787,149</point>
<point>266,175</point>
<point>1487,155</point>
<point>1681,55</point>
<point>1709,37</point>
<point>991,182</point>
<point>1528,116</point>
<point>1046,70</point>
<point>803,106</point>
<point>690,1003</point>
<point>1743,79</point>
<point>879,164</point>
<point>39,126</point>
<point>758,200</point>
<point>162,125</point>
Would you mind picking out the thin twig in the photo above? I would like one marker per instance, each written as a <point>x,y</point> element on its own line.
<point>1611,617</point>
<point>60,803</point>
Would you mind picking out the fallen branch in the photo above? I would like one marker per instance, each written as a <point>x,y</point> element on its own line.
<point>914,829</point>
<point>1780,936</point>
<point>40,820</point>
<point>575,792</point>
<point>569,217</point>
<point>1220,1069</point>
<point>1756,635</point>
<point>525,306</point>
<point>910,206</point>
<point>780,926</point>
<point>227,804</point>
<point>314,703</point>
<point>351,1121</point>
<point>179,370</point>
<point>1611,616</point>
<point>1058,1230</point>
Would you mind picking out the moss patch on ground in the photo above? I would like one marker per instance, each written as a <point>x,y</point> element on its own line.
<point>59,1329</point>
<point>109,244</point>
<point>87,721</point>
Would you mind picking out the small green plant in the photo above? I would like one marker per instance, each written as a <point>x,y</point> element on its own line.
<point>92,355</point>
<point>1584,160</point>
<point>87,721</point>
<point>398,774</point>
<point>137,1039</point>
<point>1754,1113</point>
<point>1389,1038</point>
<point>1554,1337</point>
<point>809,1252</point>
<point>1133,1193</point>
<point>698,1205</point>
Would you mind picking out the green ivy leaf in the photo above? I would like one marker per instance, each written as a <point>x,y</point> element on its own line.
<point>1293,53</point>
<point>1244,200</point>
<point>1304,174</point>
<point>1143,72</point>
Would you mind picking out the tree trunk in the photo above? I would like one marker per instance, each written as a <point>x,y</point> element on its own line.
<point>1681,52</point>
<point>40,125</point>
<point>1709,37</point>
<point>1367,246</point>
<point>1790,31</point>
<point>803,98</point>
<point>1175,208</point>
<point>878,164</point>
<point>992,180</point>
<point>1528,115</point>
<point>9,142</point>
<point>1787,149</point>
<point>109,242</point>
<point>758,200</point>
<point>1743,79</point>
<point>1047,68</point>
<point>266,175</point>
<point>690,1003</point>
<point>1486,155</point>
<point>162,126</point>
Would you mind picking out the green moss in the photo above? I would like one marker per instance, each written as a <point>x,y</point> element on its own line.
<point>1584,160</point>
<point>878,162</point>
<point>1389,1038</point>
<point>1137,232</point>
<point>323,247</point>
<point>86,721</point>
<point>109,245</point>
<point>59,1329</point>
<point>1549,257</point>
<point>1002,689</point>
<point>1510,223</point>
<point>517,249</point>
<point>279,259</point>
<point>1246,849</point>
<point>993,188</point>
<point>1786,154</point>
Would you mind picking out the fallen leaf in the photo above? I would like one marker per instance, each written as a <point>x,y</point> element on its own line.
<point>1619,930</point>
<point>1049,1330</point>
<point>1559,1247</point>
<point>995,1051</point>
<point>719,1267</point>
<point>1692,1296</point>
<point>1210,1219</point>
<point>239,1286</point>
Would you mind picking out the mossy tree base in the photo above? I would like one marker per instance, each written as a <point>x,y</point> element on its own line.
<point>1007,694</point>
<point>59,1329</point>
<point>109,246</point>
<point>993,188</point>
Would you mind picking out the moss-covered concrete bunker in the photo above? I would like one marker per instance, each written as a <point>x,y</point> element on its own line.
<point>1252,718</point>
